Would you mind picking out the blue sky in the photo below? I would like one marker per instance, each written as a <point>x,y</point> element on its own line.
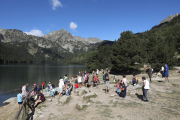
<point>104,19</point>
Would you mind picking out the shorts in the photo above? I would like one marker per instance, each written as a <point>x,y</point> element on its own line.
<point>79,82</point>
<point>85,81</point>
<point>150,76</point>
<point>166,75</point>
<point>107,84</point>
<point>60,90</point>
<point>42,100</point>
<point>20,103</point>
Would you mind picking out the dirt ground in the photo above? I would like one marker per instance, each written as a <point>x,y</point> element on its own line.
<point>164,103</point>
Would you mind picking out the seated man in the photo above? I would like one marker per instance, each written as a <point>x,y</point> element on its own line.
<point>76,85</point>
<point>134,80</point>
<point>40,98</point>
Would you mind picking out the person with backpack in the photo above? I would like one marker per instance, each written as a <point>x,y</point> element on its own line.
<point>124,81</point>
<point>122,87</point>
<point>107,80</point>
<point>95,80</point>
<point>145,88</point>
<point>86,79</point>
<point>134,80</point>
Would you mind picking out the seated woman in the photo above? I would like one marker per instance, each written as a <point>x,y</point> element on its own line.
<point>40,99</point>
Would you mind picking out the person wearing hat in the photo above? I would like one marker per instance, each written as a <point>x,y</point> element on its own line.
<point>166,74</point>
<point>145,88</point>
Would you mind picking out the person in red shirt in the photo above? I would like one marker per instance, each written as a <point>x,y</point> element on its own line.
<point>43,85</point>
<point>95,80</point>
<point>76,85</point>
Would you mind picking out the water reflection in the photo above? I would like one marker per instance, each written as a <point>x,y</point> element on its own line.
<point>13,76</point>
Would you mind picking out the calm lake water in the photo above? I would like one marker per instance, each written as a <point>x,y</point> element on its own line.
<point>12,77</point>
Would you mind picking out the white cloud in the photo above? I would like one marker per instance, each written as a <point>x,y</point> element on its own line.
<point>73,25</point>
<point>35,32</point>
<point>55,4</point>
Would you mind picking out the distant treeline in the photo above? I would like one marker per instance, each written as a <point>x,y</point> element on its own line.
<point>156,47</point>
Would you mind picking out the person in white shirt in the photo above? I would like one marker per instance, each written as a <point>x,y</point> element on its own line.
<point>61,84</point>
<point>24,90</point>
<point>79,80</point>
<point>124,80</point>
<point>145,88</point>
<point>162,71</point>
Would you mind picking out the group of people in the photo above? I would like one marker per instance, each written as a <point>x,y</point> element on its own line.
<point>23,92</point>
<point>65,87</point>
<point>164,72</point>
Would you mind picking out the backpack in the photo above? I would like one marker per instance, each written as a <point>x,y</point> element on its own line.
<point>104,77</point>
<point>134,79</point>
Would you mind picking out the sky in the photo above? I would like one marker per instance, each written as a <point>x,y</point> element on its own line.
<point>104,19</point>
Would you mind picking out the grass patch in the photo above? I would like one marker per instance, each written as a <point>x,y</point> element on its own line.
<point>106,113</point>
<point>119,116</point>
<point>98,102</point>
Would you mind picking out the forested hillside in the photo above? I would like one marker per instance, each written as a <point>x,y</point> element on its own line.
<point>156,47</point>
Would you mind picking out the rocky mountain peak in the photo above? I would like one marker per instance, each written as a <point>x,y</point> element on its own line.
<point>169,18</point>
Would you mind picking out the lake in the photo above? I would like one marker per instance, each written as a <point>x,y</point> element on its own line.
<point>12,77</point>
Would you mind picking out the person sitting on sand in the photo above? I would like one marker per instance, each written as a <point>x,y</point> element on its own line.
<point>134,80</point>
<point>40,99</point>
<point>76,85</point>
<point>39,88</point>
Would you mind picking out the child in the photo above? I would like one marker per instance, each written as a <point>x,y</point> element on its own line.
<point>19,96</point>
<point>118,86</point>
<point>52,90</point>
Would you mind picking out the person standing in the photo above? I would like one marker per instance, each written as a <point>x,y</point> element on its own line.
<point>124,81</point>
<point>107,80</point>
<point>150,73</point>
<point>162,71</point>
<point>166,70</point>
<point>24,90</point>
<point>20,101</point>
<point>145,88</point>
<point>61,84</point>
<point>42,85</point>
<point>79,80</point>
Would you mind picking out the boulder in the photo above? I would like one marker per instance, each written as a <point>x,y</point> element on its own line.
<point>90,95</point>
<point>81,106</point>
<point>46,94</point>
<point>64,99</point>
<point>10,100</point>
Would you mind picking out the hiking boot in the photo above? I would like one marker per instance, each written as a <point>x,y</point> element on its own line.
<point>146,101</point>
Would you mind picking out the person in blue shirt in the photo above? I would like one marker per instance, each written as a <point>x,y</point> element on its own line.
<point>19,96</point>
<point>166,70</point>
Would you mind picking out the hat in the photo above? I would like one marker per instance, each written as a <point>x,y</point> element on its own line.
<point>34,84</point>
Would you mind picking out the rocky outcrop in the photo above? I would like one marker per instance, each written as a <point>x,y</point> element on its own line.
<point>168,19</point>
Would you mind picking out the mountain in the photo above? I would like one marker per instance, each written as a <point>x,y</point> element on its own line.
<point>168,19</point>
<point>58,45</point>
